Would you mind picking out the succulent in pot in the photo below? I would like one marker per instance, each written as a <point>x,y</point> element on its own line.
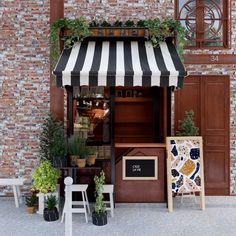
<point>50,212</point>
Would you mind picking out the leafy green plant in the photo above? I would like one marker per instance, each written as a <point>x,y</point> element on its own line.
<point>129,23</point>
<point>99,182</point>
<point>159,30</point>
<point>50,202</point>
<point>54,39</point>
<point>45,177</point>
<point>31,201</point>
<point>187,126</point>
<point>117,23</point>
<point>105,24</point>
<point>52,139</point>
<point>77,146</point>
<point>141,23</point>
<point>94,23</point>
<point>79,29</point>
<point>92,150</point>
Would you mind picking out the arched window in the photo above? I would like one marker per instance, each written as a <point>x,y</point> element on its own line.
<point>206,22</point>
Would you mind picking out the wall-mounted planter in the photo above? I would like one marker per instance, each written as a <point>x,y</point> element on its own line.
<point>112,32</point>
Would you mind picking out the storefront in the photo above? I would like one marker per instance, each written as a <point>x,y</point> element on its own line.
<point>119,98</point>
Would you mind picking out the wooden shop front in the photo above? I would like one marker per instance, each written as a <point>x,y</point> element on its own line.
<point>119,98</point>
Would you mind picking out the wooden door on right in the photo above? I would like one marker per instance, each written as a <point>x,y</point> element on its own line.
<point>209,98</point>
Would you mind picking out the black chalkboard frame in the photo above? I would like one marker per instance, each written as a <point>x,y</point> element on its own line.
<point>138,158</point>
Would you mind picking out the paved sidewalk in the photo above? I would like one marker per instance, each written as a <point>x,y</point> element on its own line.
<point>219,219</point>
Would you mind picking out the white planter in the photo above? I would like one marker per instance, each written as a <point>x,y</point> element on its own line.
<point>42,196</point>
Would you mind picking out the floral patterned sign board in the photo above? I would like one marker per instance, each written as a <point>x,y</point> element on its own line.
<point>185,165</point>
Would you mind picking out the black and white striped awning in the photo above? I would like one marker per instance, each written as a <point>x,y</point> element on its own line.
<point>120,63</point>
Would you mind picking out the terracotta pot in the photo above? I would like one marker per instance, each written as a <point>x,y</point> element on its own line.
<point>30,210</point>
<point>81,163</point>
<point>73,160</point>
<point>91,159</point>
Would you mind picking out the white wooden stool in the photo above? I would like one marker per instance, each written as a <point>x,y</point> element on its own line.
<point>109,188</point>
<point>79,188</point>
<point>15,183</point>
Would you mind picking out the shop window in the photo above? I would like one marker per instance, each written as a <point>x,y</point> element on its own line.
<point>206,22</point>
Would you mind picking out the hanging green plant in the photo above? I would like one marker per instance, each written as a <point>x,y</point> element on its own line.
<point>160,29</point>
<point>79,29</point>
<point>54,39</point>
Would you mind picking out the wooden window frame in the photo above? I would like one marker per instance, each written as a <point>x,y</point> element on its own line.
<point>226,21</point>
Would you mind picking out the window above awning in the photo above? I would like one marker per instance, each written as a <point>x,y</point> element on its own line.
<point>120,63</point>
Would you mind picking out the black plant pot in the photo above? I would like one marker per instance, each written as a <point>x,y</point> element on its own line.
<point>59,162</point>
<point>50,215</point>
<point>99,219</point>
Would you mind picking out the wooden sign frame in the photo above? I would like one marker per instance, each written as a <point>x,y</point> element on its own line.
<point>169,169</point>
<point>155,158</point>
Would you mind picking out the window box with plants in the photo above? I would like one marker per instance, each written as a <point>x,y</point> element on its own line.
<point>45,179</point>
<point>75,30</point>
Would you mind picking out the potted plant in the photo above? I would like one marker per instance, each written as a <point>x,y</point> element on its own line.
<point>30,202</point>
<point>141,28</point>
<point>53,145</point>
<point>106,25</point>
<point>129,24</point>
<point>45,179</point>
<point>93,27</point>
<point>92,155</point>
<point>99,215</point>
<point>187,126</point>
<point>117,28</point>
<point>78,150</point>
<point>50,212</point>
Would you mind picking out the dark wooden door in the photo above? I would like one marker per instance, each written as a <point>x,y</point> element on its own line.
<point>209,98</point>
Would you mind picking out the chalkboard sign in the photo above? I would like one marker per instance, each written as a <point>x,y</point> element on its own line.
<point>139,168</point>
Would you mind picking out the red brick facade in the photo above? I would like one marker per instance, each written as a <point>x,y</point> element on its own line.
<point>24,83</point>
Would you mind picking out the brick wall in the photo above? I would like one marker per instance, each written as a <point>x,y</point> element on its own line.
<point>24,71</point>
<point>24,83</point>
<point>141,9</point>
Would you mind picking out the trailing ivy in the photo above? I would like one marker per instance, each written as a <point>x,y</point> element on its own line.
<point>160,29</point>
<point>54,39</point>
<point>78,28</point>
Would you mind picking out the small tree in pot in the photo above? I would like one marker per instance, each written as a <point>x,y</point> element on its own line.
<point>99,216</point>
<point>50,212</point>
